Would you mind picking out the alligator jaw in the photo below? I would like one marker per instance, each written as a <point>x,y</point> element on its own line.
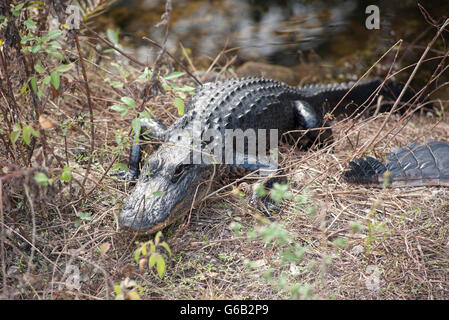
<point>127,225</point>
<point>140,223</point>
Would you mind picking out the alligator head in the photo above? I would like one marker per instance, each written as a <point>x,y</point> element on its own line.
<point>165,191</point>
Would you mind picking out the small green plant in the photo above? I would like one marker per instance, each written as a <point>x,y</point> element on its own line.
<point>180,92</point>
<point>273,234</point>
<point>148,253</point>
<point>289,255</point>
<point>280,192</point>
<point>83,216</point>
<point>41,46</point>
<point>42,179</point>
<point>128,290</point>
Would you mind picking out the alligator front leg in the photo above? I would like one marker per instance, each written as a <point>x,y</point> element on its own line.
<point>320,133</point>
<point>266,170</point>
<point>149,130</point>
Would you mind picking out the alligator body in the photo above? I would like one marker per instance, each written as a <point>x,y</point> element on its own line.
<point>415,164</point>
<point>171,181</point>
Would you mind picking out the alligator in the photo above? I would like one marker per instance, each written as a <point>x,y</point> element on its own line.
<point>171,182</point>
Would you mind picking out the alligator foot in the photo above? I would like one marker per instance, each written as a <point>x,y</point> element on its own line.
<point>264,205</point>
<point>261,201</point>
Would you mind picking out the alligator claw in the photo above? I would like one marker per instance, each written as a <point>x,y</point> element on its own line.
<point>264,205</point>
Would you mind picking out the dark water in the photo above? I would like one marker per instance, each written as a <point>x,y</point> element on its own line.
<point>282,32</point>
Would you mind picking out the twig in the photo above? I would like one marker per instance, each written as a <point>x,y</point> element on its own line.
<point>112,46</point>
<point>91,113</point>
<point>33,223</point>
<point>175,60</point>
<point>154,86</point>
<point>94,187</point>
<point>2,237</point>
<point>29,242</point>
<point>10,95</point>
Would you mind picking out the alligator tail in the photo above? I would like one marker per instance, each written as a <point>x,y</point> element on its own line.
<point>415,165</point>
<point>329,97</point>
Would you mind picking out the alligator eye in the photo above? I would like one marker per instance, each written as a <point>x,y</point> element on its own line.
<point>180,169</point>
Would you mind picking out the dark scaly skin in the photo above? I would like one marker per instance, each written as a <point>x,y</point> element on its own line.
<point>414,165</point>
<point>167,188</point>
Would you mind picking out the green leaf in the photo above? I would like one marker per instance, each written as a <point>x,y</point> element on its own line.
<point>179,103</point>
<point>41,178</point>
<point>27,38</point>
<point>54,34</point>
<point>46,80</point>
<point>56,54</point>
<point>144,250</point>
<point>117,289</point>
<point>29,24</point>
<point>38,67</point>
<point>186,89</point>
<point>87,216</point>
<point>279,192</point>
<point>55,45</point>
<point>36,48</point>
<point>41,90</point>
<point>113,35</point>
<point>15,10</point>
<point>136,127</point>
<point>123,109</point>
<point>137,254</point>
<point>33,82</point>
<point>117,84</point>
<point>15,134</point>
<point>66,174</point>
<point>260,190</point>
<point>145,114</point>
<point>152,260</point>
<point>55,79</point>
<point>26,134</point>
<point>160,265</point>
<point>24,88</point>
<point>166,247</point>
<point>120,166</point>
<point>146,74</point>
<point>128,101</point>
<point>157,237</point>
<point>174,75</point>
<point>63,68</point>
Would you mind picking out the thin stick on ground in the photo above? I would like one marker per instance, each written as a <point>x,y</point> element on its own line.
<point>91,112</point>
<point>2,245</point>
